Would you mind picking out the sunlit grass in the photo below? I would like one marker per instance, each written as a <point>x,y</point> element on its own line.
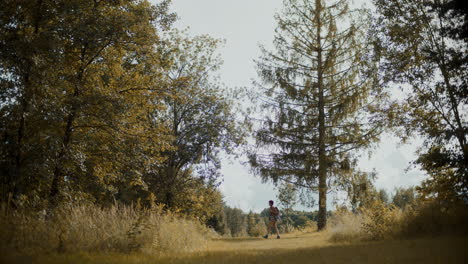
<point>161,237</point>
<point>308,248</point>
<point>90,228</point>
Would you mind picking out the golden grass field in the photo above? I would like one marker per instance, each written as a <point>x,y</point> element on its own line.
<point>293,248</point>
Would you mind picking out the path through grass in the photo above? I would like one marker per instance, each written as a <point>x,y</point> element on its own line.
<point>300,248</point>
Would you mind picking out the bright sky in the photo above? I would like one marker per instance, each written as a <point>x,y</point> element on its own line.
<point>244,24</point>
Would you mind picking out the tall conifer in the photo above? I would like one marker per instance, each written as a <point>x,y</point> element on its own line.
<point>315,97</point>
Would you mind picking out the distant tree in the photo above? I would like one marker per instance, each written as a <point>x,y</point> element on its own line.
<point>251,222</point>
<point>383,196</point>
<point>287,197</point>
<point>236,220</point>
<point>314,96</point>
<point>361,190</point>
<point>255,225</point>
<point>403,196</point>
<point>218,221</point>
<point>422,47</point>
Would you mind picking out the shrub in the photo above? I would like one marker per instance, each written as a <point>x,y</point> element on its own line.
<point>345,226</point>
<point>259,229</point>
<point>431,218</point>
<point>380,221</point>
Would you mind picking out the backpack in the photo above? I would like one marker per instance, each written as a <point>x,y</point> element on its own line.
<point>278,216</point>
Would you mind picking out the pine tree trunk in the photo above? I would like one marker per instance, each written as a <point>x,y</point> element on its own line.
<point>322,214</point>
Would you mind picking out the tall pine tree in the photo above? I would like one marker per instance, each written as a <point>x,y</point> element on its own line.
<point>314,97</point>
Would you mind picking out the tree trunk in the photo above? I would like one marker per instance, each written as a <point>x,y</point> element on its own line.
<point>58,170</point>
<point>17,175</point>
<point>58,176</point>
<point>322,213</point>
<point>18,180</point>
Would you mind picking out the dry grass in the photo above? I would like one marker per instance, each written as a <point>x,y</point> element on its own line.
<point>88,228</point>
<point>89,234</point>
<point>305,248</point>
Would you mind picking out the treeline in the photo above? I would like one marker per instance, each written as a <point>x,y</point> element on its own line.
<point>105,102</point>
<point>233,222</point>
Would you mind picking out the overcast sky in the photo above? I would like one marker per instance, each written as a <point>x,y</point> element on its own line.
<point>245,24</point>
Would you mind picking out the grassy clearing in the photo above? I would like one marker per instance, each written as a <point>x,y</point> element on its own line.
<point>89,234</point>
<point>297,248</point>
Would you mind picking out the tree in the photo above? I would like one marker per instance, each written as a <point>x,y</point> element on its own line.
<point>403,196</point>
<point>288,197</point>
<point>315,97</point>
<point>76,75</point>
<point>200,120</point>
<point>383,196</point>
<point>236,220</point>
<point>361,190</point>
<point>422,48</point>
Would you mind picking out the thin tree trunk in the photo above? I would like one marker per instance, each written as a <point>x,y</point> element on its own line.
<point>18,176</point>
<point>63,154</point>
<point>58,176</point>
<point>322,214</point>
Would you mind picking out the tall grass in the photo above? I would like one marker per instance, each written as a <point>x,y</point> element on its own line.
<point>380,221</point>
<point>90,228</point>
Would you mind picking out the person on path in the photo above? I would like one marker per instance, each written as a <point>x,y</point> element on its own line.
<point>273,219</point>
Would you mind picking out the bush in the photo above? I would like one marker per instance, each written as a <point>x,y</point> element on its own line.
<point>433,219</point>
<point>380,221</point>
<point>89,228</point>
<point>259,229</point>
<point>346,226</point>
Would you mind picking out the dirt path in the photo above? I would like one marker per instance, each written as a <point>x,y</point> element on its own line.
<point>287,242</point>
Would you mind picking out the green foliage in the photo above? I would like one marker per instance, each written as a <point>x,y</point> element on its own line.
<point>236,221</point>
<point>101,102</point>
<point>76,76</point>
<point>422,49</point>
<point>198,115</point>
<point>361,190</point>
<point>383,196</point>
<point>287,196</point>
<point>256,226</point>
<point>403,197</point>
